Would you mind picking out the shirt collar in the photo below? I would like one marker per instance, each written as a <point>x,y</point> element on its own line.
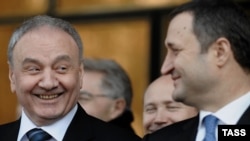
<point>231,113</point>
<point>62,124</point>
<point>234,110</point>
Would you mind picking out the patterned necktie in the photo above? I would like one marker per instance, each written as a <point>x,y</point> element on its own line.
<point>38,135</point>
<point>210,123</point>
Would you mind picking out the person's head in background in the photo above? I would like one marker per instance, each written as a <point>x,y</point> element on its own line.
<point>159,108</point>
<point>106,91</point>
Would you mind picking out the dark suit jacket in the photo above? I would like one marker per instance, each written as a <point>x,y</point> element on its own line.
<point>124,121</point>
<point>82,128</point>
<point>186,130</point>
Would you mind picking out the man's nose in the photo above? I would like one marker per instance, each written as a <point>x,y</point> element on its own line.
<point>48,80</point>
<point>167,65</point>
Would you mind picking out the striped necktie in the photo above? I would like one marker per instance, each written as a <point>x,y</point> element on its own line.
<point>37,134</point>
<point>210,123</point>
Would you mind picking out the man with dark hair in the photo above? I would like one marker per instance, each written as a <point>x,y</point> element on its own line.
<point>208,57</point>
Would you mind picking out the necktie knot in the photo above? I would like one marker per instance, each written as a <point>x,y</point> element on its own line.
<point>210,123</point>
<point>37,134</point>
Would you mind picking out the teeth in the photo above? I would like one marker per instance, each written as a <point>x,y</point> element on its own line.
<point>48,96</point>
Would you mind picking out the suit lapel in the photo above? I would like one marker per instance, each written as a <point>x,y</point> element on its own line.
<point>80,127</point>
<point>180,131</point>
<point>190,129</point>
<point>245,117</point>
<point>10,131</point>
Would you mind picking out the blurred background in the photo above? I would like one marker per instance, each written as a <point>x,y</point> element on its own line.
<point>131,32</point>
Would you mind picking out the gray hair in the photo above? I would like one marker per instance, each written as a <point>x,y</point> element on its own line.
<point>38,21</point>
<point>116,82</point>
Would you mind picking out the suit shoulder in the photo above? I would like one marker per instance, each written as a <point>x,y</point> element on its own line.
<point>174,131</point>
<point>113,132</point>
<point>9,125</point>
<point>84,126</point>
<point>9,131</point>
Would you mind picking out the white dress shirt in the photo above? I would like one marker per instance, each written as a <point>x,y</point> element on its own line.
<point>56,130</point>
<point>229,114</point>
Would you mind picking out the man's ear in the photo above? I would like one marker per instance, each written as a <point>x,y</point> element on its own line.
<point>118,108</point>
<point>222,51</point>
<point>81,74</point>
<point>12,79</point>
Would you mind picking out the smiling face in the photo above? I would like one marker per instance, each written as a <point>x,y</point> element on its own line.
<point>191,70</point>
<point>46,74</point>
<point>160,109</point>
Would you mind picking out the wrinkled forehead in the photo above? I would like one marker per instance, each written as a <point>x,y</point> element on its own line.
<point>45,41</point>
<point>45,30</point>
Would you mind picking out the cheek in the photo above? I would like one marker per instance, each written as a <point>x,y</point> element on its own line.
<point>179,64</point>
<point>186,58</point>
<point>182,114</point>
<point>23,88</point>
<point>89,107</point>
<point>24,84</point>
<point>70,82</point>
<point>96,108</point>
<point>147,120</point>
<point>90,110</point>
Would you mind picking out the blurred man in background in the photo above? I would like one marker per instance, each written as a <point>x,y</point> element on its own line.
<point>107,93</point>
<point>159,109</point>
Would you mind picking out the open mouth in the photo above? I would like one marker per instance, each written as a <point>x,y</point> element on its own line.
<point>48,97</point>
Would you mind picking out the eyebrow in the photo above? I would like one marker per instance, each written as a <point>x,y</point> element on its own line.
<point>165,102</point>
<point>62,57</point>
<point>149,104</point>
<point>30,60</point>
<point>33,60</point>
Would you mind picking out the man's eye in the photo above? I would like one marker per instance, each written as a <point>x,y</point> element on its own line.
<point>86,96</point>
<point>62,69</point>
<point>150,110</point>
<point>33,70</point>
<point>172,108</point>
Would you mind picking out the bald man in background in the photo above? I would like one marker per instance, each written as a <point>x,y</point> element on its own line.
<point>159,109</point>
